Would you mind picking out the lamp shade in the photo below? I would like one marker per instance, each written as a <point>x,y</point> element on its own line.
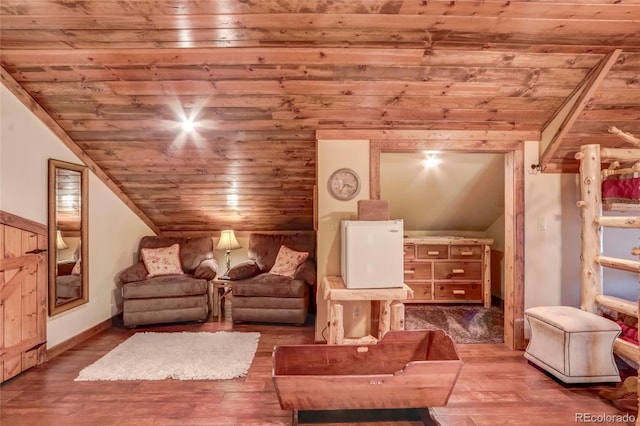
<point>228,241</point>
<point>60,244</point>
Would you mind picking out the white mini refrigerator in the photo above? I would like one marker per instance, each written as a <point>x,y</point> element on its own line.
<point>372,254</point>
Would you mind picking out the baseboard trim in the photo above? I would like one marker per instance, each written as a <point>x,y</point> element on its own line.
<point>497,301</point>
<point>56,350</point>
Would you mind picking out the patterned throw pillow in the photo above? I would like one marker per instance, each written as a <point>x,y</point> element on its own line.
<point>288,261</point>
<point>162,261</point>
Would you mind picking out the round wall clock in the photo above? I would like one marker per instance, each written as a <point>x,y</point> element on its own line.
<point>344,184</point>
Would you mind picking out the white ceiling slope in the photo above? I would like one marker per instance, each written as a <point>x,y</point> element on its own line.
<point>464,193</point>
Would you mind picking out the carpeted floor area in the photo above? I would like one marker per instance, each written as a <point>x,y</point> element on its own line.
<point>176,355</point>
<point>465,323</point>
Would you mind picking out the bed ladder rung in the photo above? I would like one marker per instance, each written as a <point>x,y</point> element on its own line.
<point>622,264</point>
<point>626,349</point>
<point>619,221</point>
<point>619,305</point>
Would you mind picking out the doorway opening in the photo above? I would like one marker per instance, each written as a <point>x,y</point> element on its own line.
<point>512,158</point>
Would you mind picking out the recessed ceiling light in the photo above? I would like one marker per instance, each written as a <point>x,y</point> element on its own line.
<point>431,162</point>
<point>187,126</point>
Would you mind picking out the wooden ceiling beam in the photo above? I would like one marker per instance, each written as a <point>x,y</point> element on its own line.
<point>217,56</point>
<point>592,9</point>
<point>443,135</point>
<point>13,86</point>
<point>560,124</point>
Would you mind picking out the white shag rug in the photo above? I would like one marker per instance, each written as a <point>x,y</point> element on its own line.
<point>181,356</point>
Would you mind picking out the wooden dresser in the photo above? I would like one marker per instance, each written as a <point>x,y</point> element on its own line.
<point>448,269</point>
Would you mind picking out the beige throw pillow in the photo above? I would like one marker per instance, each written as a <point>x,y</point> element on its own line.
<point>162,261</point>
<point>288,261</point>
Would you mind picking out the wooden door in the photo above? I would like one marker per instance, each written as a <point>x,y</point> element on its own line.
<point>23,294</point>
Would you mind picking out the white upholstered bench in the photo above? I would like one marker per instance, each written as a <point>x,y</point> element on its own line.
<point>573,345</point>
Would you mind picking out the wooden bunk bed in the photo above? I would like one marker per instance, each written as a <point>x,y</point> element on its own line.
<point>624,163</point>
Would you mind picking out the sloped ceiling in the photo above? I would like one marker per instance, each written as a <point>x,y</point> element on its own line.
<point>259,78</point>
<point>464,192</point>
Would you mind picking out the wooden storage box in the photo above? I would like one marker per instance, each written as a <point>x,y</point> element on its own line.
<point>406,369</point>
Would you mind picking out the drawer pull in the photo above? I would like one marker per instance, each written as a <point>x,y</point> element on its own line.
<point>466,253</point>
<point>409,272</point>
<point>433,253</point>
<point>462,292</point>
<point>458,271</point>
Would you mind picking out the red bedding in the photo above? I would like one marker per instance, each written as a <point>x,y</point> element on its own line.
<point>629,327</point>
<point>629,333</point>
<point>621,190</point>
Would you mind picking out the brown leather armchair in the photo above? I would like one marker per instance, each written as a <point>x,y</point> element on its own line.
<point>260,296</point>
<point>169,298</point>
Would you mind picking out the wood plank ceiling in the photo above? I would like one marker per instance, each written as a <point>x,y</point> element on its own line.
<point>260,77</point>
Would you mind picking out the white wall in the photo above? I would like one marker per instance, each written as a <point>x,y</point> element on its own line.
<point>552,236</point>
<point>618,243</point>
<point>496,231</point>
<point>333,155</point>
<point>114,230</point>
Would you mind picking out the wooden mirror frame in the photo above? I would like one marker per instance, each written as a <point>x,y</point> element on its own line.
<point>54,165</point>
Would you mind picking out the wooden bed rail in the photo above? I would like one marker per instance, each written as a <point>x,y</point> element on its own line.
<point>626,349</point>
<point>619,221</point>
<point>621,264</point>
<point>629,170</point>
<point>612,154</point>
<point>617,304</point>
<point>591,297</point>
<point>627,137</point>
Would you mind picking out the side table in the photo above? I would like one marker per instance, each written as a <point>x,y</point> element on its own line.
<point>220,290</point>
<point>390,310</point>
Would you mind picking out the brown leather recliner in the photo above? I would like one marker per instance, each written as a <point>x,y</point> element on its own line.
<point>260,296</point>
<point>169,298</point>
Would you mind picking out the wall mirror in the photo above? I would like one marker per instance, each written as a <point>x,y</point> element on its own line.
<point>68,236</point>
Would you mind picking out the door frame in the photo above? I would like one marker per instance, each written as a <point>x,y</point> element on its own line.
<point>514,212</point>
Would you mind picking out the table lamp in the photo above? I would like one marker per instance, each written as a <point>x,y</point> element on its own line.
<point>60,244</point>
<point>227,243</point>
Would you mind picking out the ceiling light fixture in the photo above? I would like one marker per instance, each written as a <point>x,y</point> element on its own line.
<point>431,162</point>
<point>187,126</point>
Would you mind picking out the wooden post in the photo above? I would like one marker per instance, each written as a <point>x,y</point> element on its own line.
<point>636,251</point>
<point>385,318</point>
<point>336,324</point>
<point>486,297</point>
<point>397,315</point>
<point>591,209</point>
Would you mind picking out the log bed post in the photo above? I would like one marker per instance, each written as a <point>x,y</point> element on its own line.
<point>591,238</point>
<point>636,252</point>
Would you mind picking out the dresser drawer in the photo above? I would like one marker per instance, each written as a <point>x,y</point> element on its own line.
<point>417,271</point>
<point>409,251</point>
<point>458,291</point>
<point>457,270</point>
<point>432,251</point>
<point>421,291</point>
<point>466,252</point>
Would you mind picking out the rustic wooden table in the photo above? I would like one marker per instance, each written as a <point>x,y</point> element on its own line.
<point>390,315</point>
<point>220,290</point>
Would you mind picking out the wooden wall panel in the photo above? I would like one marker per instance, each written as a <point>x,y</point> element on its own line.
<point>23,290</point>
<point>12,306</point>
<point>259,79</point>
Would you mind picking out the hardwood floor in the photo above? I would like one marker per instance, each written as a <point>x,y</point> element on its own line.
<point>496,386</point>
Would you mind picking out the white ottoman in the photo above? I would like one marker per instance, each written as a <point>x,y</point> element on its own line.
<point>573,345</point>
